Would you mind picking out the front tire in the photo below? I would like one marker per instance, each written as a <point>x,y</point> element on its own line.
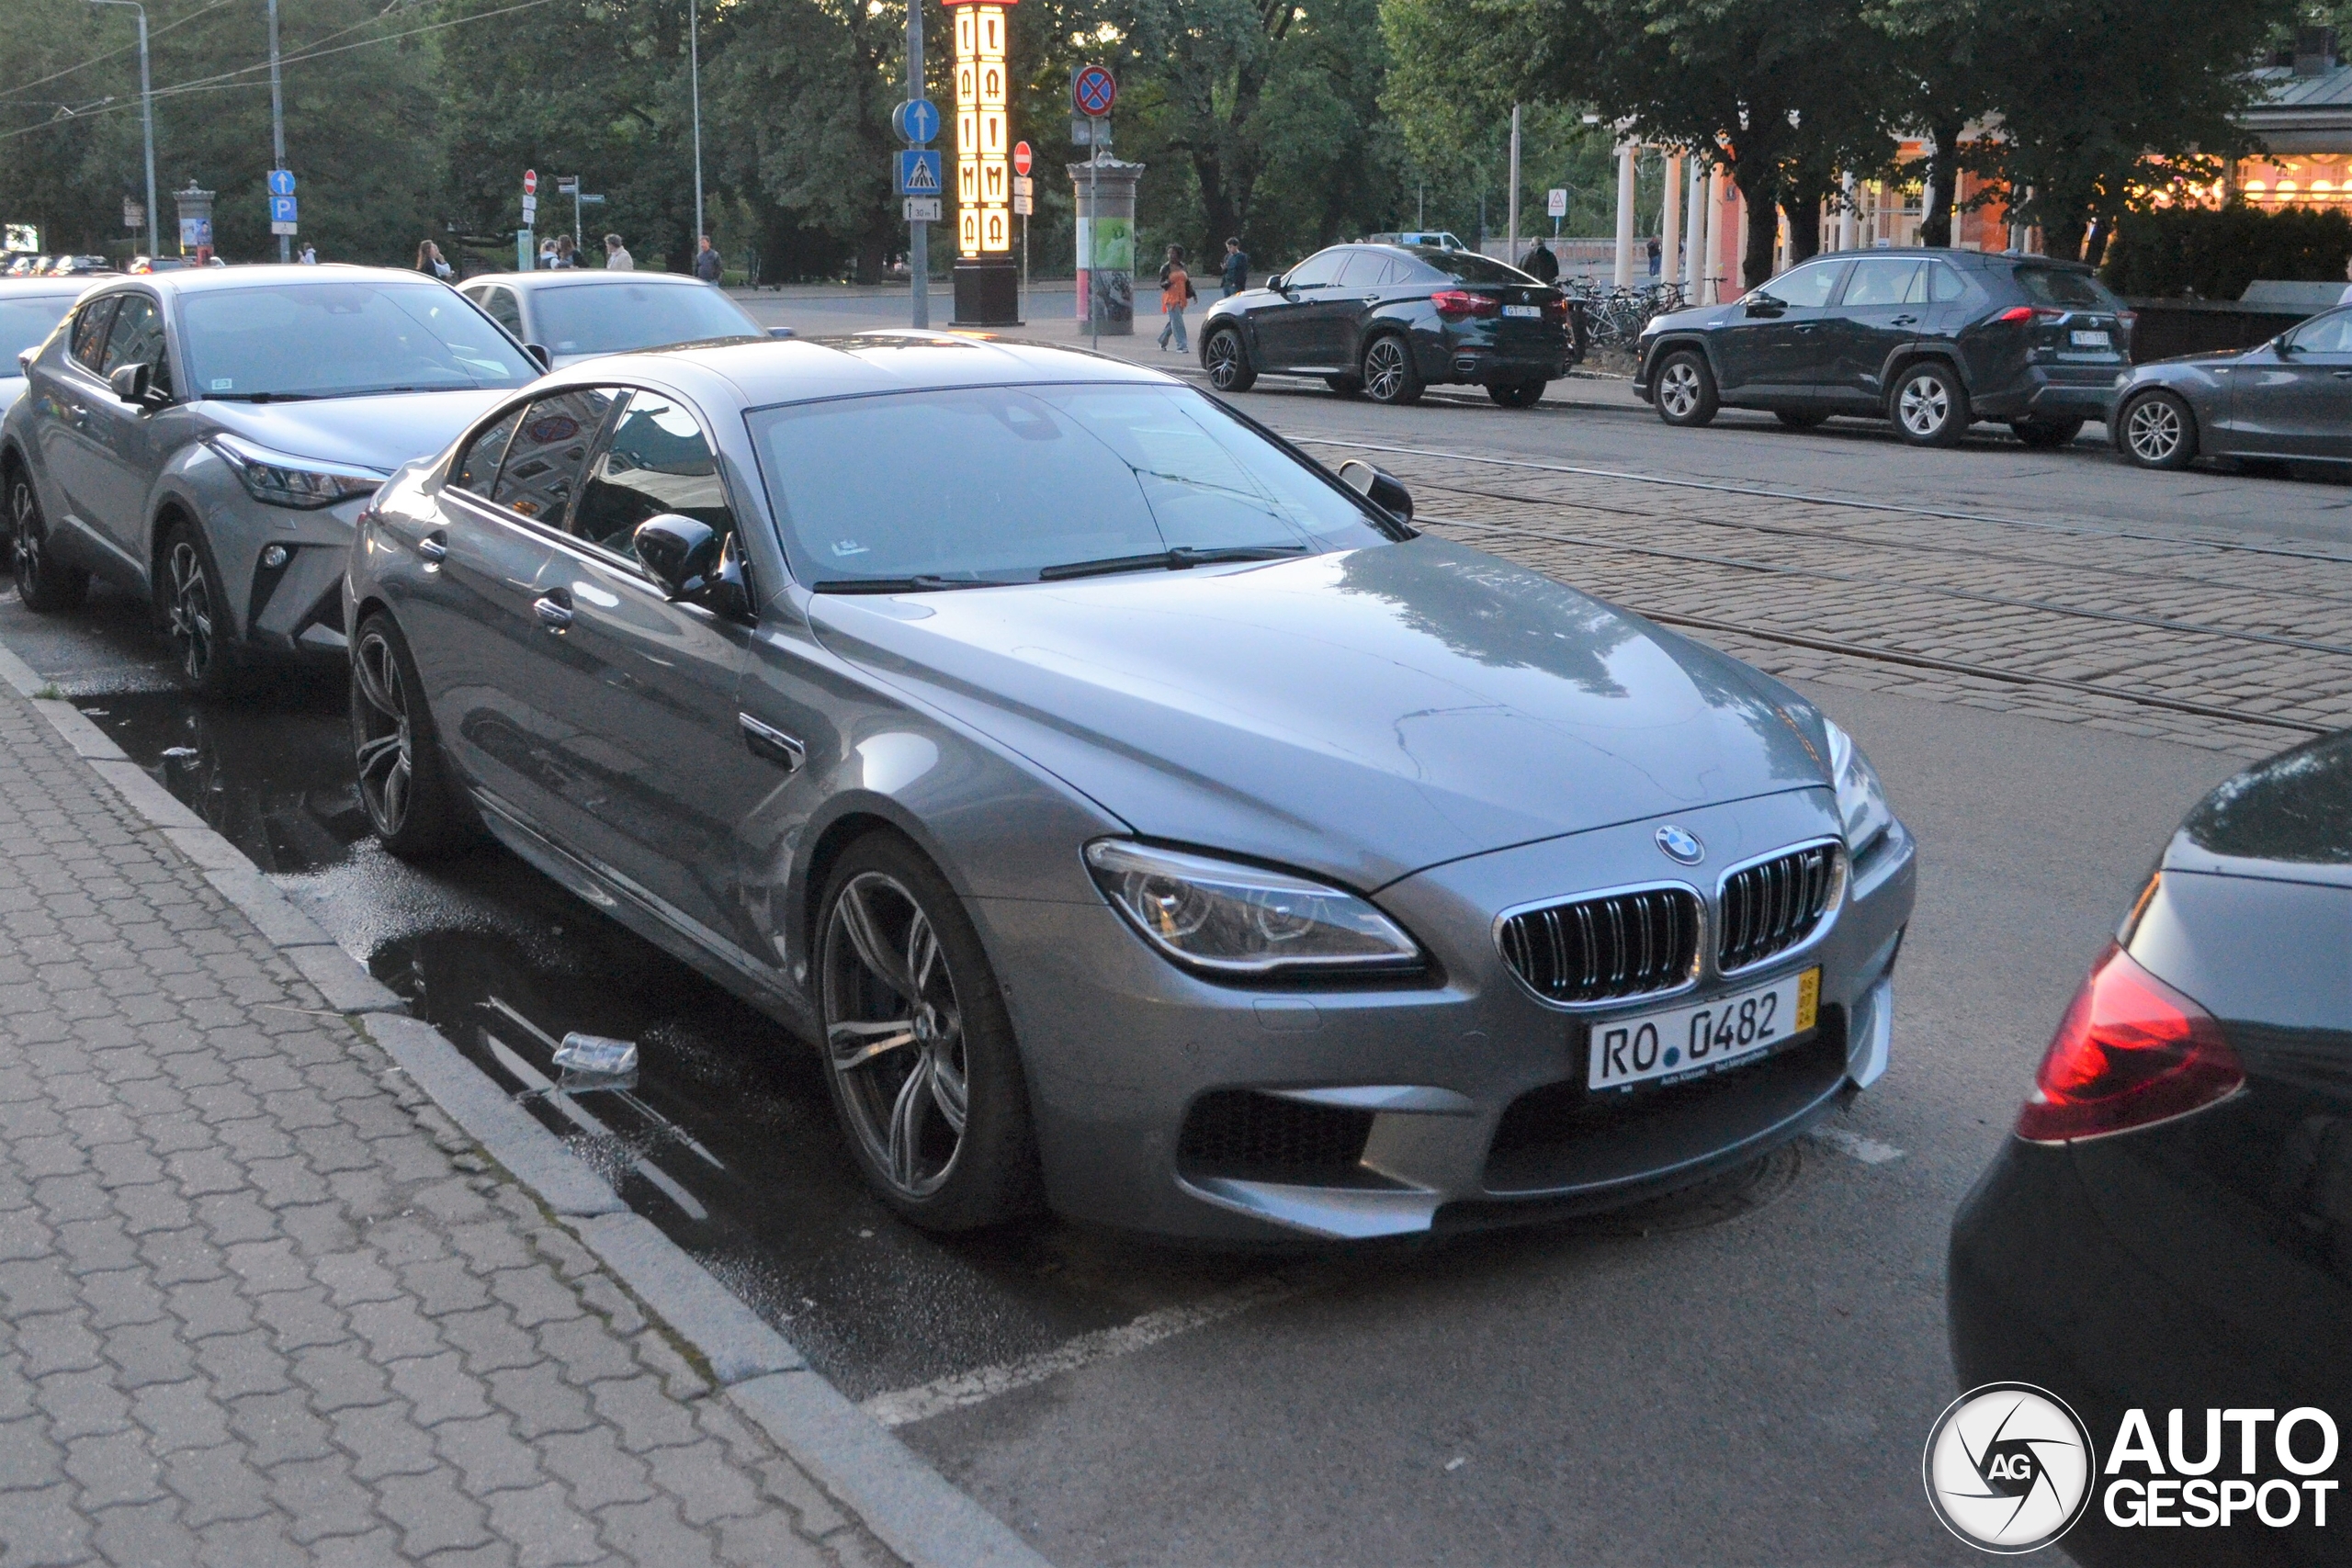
<point>1684,390</point>
<point>1389,374</point>
<point>1228,361</point>
<point>919,1051</point>
<point>42,584</point>
<point>2157,431</point>
<point>196,614</point>
<point>2042,434</point>
<point>1928,405</point>
<point>412,803</point>
<point>1517,394</point>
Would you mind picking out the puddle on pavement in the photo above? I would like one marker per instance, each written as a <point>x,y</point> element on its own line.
<point>725,1137</point>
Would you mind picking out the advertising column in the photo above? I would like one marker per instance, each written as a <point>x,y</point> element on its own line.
<point>196,223</point>
<point>1106,244</point>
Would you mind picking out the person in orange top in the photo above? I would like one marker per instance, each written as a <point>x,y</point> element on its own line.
<point>1175,293</point>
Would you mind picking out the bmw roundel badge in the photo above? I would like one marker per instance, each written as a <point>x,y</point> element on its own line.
<point>1680,846</point>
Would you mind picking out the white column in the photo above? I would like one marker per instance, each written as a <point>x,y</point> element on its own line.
<point>1694,264</point>
<point>1626,153</point>
<point>1510,251</point>
<point>1850,222</point>
<point>1713,282</point>
<point>1669,239</point>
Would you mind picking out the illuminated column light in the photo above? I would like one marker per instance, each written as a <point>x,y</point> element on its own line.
<point>983,133</point>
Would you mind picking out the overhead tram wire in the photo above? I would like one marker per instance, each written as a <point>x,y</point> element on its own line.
<point>153,33</point>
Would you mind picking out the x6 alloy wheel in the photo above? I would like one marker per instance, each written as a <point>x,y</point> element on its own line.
<point>1227,362</point>
<point>1389,375</point>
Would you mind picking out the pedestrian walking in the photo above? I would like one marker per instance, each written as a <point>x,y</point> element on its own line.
<point>1237,268</point>
<point>1541,263</point>
<point>309,256</point>
<point>1175,293</point>
<point>616,257</point>
<point>707,264</point>
<point>566,255</point>
<point>1655,255</point>
<point>2345,298</point>
<point>428,261</point>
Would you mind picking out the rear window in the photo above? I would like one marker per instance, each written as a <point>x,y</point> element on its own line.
<point>2060,285</point>
<point>1468,266</point>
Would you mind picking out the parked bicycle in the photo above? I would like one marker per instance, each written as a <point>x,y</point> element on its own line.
<point>1615,316</point>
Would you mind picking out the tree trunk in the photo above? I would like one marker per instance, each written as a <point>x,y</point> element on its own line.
<point>1801,201</point>
<point>2095,252</point>
<point>2063,236</point>
<point>1943,184</point>
<point>1758,181</point>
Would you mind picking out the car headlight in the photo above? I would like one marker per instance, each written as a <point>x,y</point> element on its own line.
<point>1862,799</point>
<point>276,480</point>
<point>1243,920</point>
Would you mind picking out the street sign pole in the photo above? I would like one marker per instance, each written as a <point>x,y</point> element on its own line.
<point>277,123</point>
<point>917,231</point>
<point>694,69</point>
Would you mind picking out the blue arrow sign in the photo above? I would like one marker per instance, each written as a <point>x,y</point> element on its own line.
<point>918,172</point>
<point>281,182</point>
<point>281,209</point>
<point>917,119</point>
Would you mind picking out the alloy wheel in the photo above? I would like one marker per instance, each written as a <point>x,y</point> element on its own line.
<point>24,533</point>
<point>1385,369</point>
<point>1225,360</point>
<point>191,609</point>
<point>385,751</point>
<point>2153,430</point>
<point>894,1034</point>
<point>1925,405</point>
<point>1677,390</point>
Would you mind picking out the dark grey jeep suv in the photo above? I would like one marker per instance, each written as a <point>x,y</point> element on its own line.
<point>1931,339</point>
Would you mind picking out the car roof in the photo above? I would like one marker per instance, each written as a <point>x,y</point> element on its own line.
<point>207,279</point>
<point>788,370</point>
<point>576,278</point>
<point>72,287</point>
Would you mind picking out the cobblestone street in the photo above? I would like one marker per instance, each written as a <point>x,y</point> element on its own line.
<point>264,1303</point>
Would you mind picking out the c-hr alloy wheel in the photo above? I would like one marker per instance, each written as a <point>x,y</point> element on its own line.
<point>42,584</point>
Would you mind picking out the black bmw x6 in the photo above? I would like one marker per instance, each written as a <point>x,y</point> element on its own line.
<point>1932,339</point>
<point>1387,321</point>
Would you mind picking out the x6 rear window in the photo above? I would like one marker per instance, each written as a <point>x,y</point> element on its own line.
<point>2059,286</point>
<point>1467,267</point>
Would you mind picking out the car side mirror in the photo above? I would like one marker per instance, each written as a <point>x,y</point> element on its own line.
<point>1278,284</point>
<point>1380,489</point>
<point>690,561</point>
<point>1765,305</point>
<point>540,354</point>
<point>25,360</point>
<point>133,384</point>
<point>2284,347</point>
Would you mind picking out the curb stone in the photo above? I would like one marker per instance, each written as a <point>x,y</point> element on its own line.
<point>910,1507</point>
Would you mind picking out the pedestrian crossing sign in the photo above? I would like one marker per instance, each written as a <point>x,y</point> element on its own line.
<point>918,172</point>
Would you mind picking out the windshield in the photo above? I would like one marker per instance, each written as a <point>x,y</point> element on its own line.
<point>26,322</point>
<point>613,318</point>
<point>340,340</point>
<point>2057,286</point>
<point>1001,483</point>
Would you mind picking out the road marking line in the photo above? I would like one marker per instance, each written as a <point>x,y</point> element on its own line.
<point>1870,1151</point>
<point>964,1389</point>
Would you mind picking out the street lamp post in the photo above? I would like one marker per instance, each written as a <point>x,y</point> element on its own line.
<point>147,113</point>
<point>693,57</point>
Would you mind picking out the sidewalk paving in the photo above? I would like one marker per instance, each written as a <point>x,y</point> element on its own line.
<point>263,1302</point>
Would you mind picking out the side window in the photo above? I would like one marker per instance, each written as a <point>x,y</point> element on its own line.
<point>1809,285</point>
<point>549,452</point>
<point>656,460</point>
<point>1317,270</point>
<point>504,308</point>
<point>89,340</point>
<point>1365,270</point>
<point>1943,284</point>
<point>137,338</point>
<point>1881,280</point>
<point>2331,333</point>
<point>477,469</point>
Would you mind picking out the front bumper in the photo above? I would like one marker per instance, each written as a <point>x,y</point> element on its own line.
<point>1451,1101</point>
<point>291,610</point>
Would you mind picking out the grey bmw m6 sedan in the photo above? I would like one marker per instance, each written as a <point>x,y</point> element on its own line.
<point>1144,822</point>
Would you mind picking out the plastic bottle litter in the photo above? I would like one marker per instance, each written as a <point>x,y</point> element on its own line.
<point>596,1054</point>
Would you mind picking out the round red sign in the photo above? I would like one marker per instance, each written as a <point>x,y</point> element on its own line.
<point>1021,159</point>
<point>1094,92</point>
<point>530,181</point>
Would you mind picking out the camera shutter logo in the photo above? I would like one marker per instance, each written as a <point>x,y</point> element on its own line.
<point>2009,1468</point>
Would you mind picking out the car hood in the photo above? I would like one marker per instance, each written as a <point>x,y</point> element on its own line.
<point>2289,819</point>
<point>374,432</point>
<point>1364,714</point>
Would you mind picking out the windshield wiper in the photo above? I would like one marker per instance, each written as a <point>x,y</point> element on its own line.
<point>918,585</point>
<point>1177,560</point>
<point>263,397</point>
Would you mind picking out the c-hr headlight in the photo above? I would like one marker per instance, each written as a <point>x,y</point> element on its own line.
<point>307,484</point>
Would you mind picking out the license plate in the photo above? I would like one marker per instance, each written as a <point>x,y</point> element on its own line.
<point>1532,311</point>
<point>1675,1043</point>
<point>2091,340</point>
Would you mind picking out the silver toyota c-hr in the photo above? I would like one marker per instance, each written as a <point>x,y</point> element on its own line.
<point>206,437</point>
<point>1144,819</point>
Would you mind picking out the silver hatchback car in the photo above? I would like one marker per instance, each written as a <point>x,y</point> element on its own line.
<point>1143,819</point>
<point>207,438</point>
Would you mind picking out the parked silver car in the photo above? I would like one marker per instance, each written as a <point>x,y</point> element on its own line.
<point>30,309</point>
<point>1143,819</point>
<point>2290,398</point>
<point>574,313</point>
<point>207,438</point>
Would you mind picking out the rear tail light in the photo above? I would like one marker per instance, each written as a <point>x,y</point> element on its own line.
<point>2028,314</point>
<point>2131,1052</point>
<point>1453,303</point>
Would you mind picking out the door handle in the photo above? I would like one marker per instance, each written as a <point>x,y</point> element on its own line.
<point>1903,321</point>
<point>2342,375</point>
<point>771,744</point>
<point>554,610</point>
<point>434,546</point>
<point>1804,326</point>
